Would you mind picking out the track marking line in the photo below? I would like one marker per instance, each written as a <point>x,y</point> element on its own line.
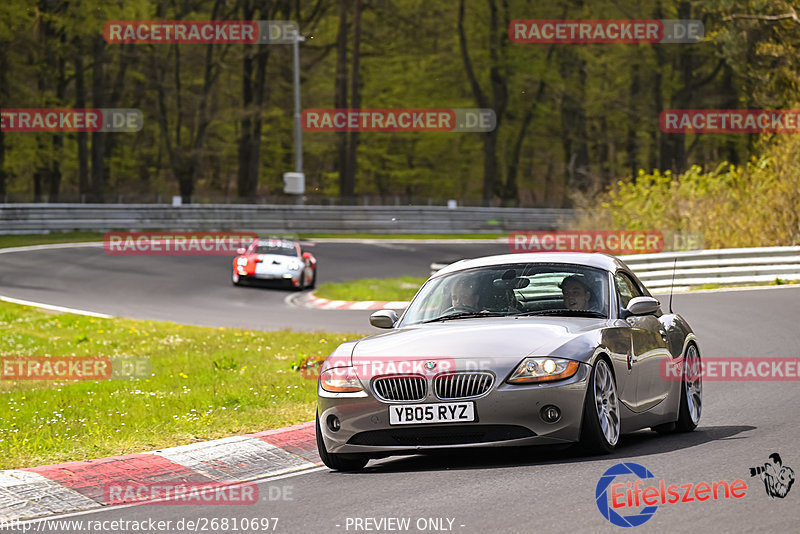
<point>30,248</point>
<point>55,308</point>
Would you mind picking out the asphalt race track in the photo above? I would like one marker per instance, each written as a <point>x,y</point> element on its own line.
<point>531,490</point>
<point>198,289</point>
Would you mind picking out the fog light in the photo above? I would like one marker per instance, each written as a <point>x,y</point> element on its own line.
<point>550,414</point>
<point>333,423</point>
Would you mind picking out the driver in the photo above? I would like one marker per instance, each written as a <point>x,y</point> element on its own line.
<point>576,292</point>
<point>464,294</point>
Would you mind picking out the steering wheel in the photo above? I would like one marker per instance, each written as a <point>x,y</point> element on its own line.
<point>460,309</point>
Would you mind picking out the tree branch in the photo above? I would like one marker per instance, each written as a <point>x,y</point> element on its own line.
<point>769,18</point>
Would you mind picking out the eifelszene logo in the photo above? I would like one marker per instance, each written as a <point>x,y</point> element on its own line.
<point>601,495</point>
<point>777,478</point>
<point>614,498</point>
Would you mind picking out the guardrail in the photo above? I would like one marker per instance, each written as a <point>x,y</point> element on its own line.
<point>43,218</point>
<point>719,266</point>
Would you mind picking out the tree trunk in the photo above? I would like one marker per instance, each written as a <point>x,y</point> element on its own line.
<point>355,99</point>
<point>255,139</point>
<point>244,178</point>
<point>573,125</point>
<point>346,184</point>
<point>499,94</point>
<point>630,143</point>
<point>125,61</point>
<point>83,137</point>
<point>511,193</point>
<point>98,138</point>
<point>3,102</point>
<point>2,166</point>
<point>489,164</point>
<point>253,92</point>
<point>38,180</point>
<point>58,138</point>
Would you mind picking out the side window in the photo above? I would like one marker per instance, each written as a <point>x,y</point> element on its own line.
<point>627,288</point>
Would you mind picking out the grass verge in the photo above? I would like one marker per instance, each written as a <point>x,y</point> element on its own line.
<point>47,239</point>
<point>403,288</point>
<point>81,237</point>
<point>206,383</point>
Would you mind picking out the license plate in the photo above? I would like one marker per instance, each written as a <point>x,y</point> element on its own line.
<point>446,412</point>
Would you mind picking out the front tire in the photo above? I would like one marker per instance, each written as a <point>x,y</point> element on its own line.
<point>339,462</point>
<point>302,285</point>
<point>236,279</point>
<point>601,414</point>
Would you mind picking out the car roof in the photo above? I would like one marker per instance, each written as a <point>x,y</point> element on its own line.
<point>286,243</point>
<point>600,261</point>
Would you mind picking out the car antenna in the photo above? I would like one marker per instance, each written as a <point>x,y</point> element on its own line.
<point>672,285</point>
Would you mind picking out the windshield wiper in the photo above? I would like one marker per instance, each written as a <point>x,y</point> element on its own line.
<point>565,312</point>
<point>466,315</point>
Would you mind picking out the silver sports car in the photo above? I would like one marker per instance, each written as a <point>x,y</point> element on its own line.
<point>518,349</point>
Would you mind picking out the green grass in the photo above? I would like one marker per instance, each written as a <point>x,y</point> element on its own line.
<point>206,383</point>
<point>81,237</point>
<point>46,239</point>
<point>403,288</point>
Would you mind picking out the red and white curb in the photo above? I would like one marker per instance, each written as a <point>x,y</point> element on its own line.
<point>74,486</point>
<point>310,301</point>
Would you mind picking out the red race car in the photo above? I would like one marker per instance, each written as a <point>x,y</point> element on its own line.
<point>277,261</point>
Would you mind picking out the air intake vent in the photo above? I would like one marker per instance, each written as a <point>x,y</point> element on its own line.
<point>400,388</point>
<point>462,385</point>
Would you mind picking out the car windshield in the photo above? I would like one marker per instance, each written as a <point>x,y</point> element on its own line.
<point>284,248</point>
<point>512,289</point>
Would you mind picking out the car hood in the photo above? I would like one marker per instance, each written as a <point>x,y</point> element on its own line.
<point>496,338</point>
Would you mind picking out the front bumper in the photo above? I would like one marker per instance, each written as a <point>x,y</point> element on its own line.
<point>287,277</point>
<point>508,415</point>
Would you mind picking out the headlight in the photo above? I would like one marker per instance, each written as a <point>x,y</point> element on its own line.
<point>340,380</point>
<point>543,370</point>
<point>293,266</point>
<point>241,261</point>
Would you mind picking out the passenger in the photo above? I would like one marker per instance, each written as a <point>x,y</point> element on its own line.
<point>576,292</point>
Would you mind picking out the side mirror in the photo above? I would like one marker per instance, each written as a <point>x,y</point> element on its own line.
<point>383,318</point>
<point>306,255</point>
<point>240,251</point>
<point>643,306</point>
